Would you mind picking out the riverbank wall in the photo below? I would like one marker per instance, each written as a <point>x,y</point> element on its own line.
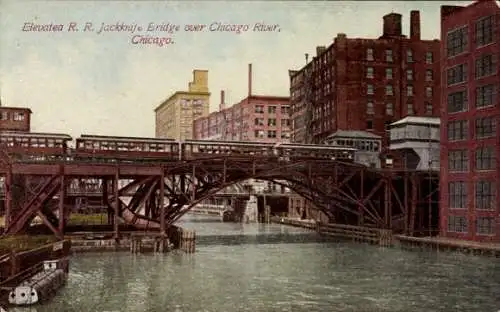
<point>347,232</point>
<point>135,242</point>
<point>387,238</point>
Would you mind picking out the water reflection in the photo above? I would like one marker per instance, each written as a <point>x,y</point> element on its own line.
<point>276,268</point>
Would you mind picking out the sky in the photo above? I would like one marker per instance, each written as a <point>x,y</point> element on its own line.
<point>85,82</point>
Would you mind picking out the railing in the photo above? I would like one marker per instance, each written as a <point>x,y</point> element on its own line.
<point>370,235</point>
<point>16,265</point>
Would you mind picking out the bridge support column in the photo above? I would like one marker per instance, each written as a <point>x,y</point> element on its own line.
<point>8,197</point>
<point>117,205</point>
<point>62,197</point>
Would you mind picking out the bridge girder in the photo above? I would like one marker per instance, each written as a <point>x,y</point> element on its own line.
<point>157,196</point>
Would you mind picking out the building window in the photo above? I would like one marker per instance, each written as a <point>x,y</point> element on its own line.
<point>457,224</point>
<point>409,74</point>
<point>485,158</point>
<point>409,56</point>
<point>259,109</point>
<point>369,54</point>
<point>409,90</point>
<point>486,95</point>
<point>458,130</point>
<point>458,161</point>
<point>285,109</point>
<point>271,122</point>
<point>485,225</point>
<point>259,134</point>
<point>389,109</point>
<point>409,108</point>
<point>457,191</point>
<point>285,122</point>
<point>369,125</point>
<point>370,110</point>
<point>456,74</point>
<point>429,75</point>
<point>428,92</point>
<point>457,102</point>
<point>486,195</point>
<point>369,72</point>
<point>485,65</point>
<point>388,73</point>
<point>428,109</point>
<point>484,31</point>
<point>271,134</point>
<point>388,56</point>
<point>456,41</point>
<point>388,90</point>
<point>4,116</point>
<point>486,127</point>
<point>271,109</point>
<point>369,89</point>
<point>18,116</point>
<point>259,121</point>
<point>428,58</point>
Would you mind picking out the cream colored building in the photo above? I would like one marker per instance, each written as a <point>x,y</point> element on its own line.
<point>175,116</point>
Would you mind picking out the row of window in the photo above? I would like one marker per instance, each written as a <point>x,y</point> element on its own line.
<point>457,40</point>
<point>458,160</point>
<point>15,116</point>
<point>389,74</point>
<point>259,109</point>
<point>389,90</point>
<point>486,96</point>
<point>485,195</point>
<point>459,224</point>
<point>389,56</point>
<point>485,127</point>
<point>485,65</point>
<point>271,122</point>
<point>271,134</point>
<point>389,108</point>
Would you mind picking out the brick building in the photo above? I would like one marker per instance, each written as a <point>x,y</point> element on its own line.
<point>470,144</point>
<point>175,116</point>
<point>15,119</point>
<point>257,118</point>
<point>366,84</point>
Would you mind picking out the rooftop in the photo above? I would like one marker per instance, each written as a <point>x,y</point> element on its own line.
<point>353,134</point>
<point>418,120</point>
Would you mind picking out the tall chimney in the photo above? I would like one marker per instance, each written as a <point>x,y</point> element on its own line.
<point>415,25</point>
<point>250,79</point>
<point>222,104</point>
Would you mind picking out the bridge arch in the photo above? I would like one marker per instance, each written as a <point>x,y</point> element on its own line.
<point>327,184</point>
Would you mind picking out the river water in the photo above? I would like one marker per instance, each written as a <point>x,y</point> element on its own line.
<point>254,267</point>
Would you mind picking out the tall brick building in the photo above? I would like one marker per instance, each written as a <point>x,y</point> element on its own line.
<point>15,119</point>
<point>366,84</point>
<point>257,118</point>
<point>470,143</point>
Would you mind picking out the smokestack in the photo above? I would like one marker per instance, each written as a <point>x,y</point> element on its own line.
<point>415,25</point>
<point>250,79</point>
<point>222,104</point>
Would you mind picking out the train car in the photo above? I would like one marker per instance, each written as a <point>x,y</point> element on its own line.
<point>291,151</point>
<point>126,148</point>
<point>198,149</point>
<point>46,145</point>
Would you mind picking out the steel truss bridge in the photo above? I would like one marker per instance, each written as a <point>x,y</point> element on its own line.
<point>155,195</point>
